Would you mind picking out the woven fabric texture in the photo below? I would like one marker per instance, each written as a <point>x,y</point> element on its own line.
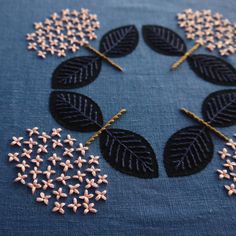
<point>152,95</point>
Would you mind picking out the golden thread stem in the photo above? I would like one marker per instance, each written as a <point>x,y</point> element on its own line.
<point>109,123</point>
<point>206,124</point>
<point>185,56</point>
<point>104,57</point>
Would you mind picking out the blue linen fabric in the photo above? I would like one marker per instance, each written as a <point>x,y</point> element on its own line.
<point>152,94</point>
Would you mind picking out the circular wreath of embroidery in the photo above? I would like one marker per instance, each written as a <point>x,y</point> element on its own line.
<point>189,150</point>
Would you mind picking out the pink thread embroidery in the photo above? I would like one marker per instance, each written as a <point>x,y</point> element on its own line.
<point>61,172</point>
<point>209,30</point>
<point>63,32</point>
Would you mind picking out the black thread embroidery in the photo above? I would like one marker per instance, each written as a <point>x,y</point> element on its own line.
<point>189,150</point>
<point>124,150</point>
<point>213,69</point>
<point>75,111</point>
<point>210,68</point>
<point>119,42</point>
<point>76,72</point>
<point>129,153</point>
<point>80,71</point>
<point>163,40</point>
<point>219,108</point>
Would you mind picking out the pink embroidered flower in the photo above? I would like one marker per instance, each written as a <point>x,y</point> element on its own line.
<point>102,179</point>
<point>42,148</point>
<point>56,132</point>
<point>69,140</point>
<point>43,198</point>
<point>13,157</point>
<point>91,183</point>
<point>26,153</point>
<point>23,166</point>
<point>86,196</point>
<point>63,178</point>
<point>20,178</point>
<point>34,185</point>
<point>74,189</point>
<point>93,159</point>
<point>35,172</point>
<point>56,143</point>
<point>229,164</point>
<point>101,195</point>
<point>223,174</point>
<point>93,170</point>
<point>68,152</point>
<point>16,141</point>
<point>89,208</point>
<point>79,176</point>
<point>59,193</point>
<point>44,136</point>
<point>67,165</point>
<point>33,131</point>
<point>231,189</point>
<point>75,205</point>
<point>59,207</point>
<point>224,153</point>
<point>79,161</point>
<point>30,143</point>
<point>54,158</point>
<point>231,144</point>
<point>47,184</point>
<point>82,149</point>
<point>49,172</point>
<point>37,160</point>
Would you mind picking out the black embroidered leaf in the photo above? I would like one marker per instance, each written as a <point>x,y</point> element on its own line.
<point>119,42</point>
<point>163,40</point>
<point>219,108</point>
<point>188,151</point>
<point>75,111</point>
<point>76,72</point>
<point>129,153</point>
<point>213,69</point>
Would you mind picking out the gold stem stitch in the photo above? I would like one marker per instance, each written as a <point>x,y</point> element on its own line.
<point>109,123</point>
<point>185,56</point>
<point>104,57</point>
<point>206,124</point>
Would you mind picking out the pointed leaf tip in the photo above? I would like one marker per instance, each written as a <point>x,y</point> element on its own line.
<point>219,108</point>
<point>76,72</point>
<point>188,151</point>
<point>213,69</point>
<point>75,111</point>
<point>119,42</point>
<point>129,153</point>
<point>163,40</point>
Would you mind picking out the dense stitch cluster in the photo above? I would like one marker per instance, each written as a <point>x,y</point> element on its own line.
<point>228,172</point>
<point>57,168</point>
<point>63,32</point>
<point>210,30</point>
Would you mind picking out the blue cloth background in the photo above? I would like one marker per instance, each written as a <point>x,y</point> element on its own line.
<point>152,94</point>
